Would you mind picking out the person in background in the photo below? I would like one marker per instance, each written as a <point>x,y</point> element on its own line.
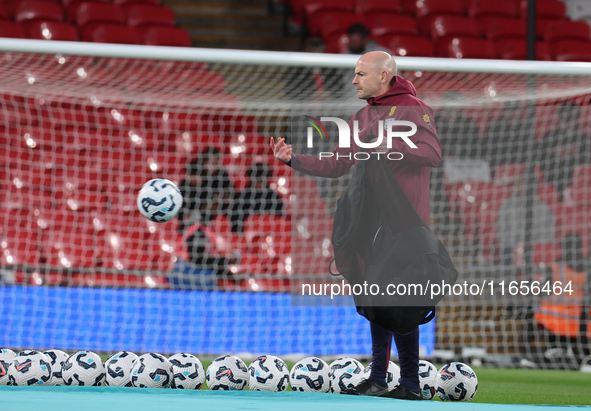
<point>205,178</point>
<point>359,41</point>
<point>313,83</point>
<point>511,221</point>
<point>507,139</point>
<point>563,149</point>
<point>565,315</point>
<point>257,198</point>
<point>459,134</point>
<point>204,264</point>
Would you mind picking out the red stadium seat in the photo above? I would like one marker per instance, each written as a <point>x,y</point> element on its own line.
<point>331,23</point>
<point>64,222</point>
<point>573,220</point>
<point>369,6</point>
<point>542,25</point>
<point>545,253</point>
<point>111,33</point>
<point>39,10</point>
<point>411,46</point>
<point>507,173</point>
<point>545,9</point>
<point>82,180</point>
<point>454,26</point>
<point>122,251</point>
<point>428,10</point>
<point>498,28</point>
<point>567,30</point>
<point>149,15</point>
<point>4,14</point>
<point>68,3</point>
<point>16,219</point>
<point>548,194</point>
<point>68,250</point>
<point>582,185</point>
<point>466,47</point>
<point>89,13</point>
<point>384,26</point>
<point>80,201</point>
<point>25,176</point>
<point>312,7</point>
<point>131,2</point>
<point>51,30</point>
<point>188,143</point>
<point>499,8</point>
<point>166,36</point>
<point>516,49</point>
<point>18,247</point>
<point>30,197</point>
<point>571,50</point>
<point>11,30</point>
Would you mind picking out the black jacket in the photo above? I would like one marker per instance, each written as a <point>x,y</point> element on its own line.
<point>379,238</point>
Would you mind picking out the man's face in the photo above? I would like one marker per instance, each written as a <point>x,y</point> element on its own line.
<point>357,43</point>
<point>367,80</point>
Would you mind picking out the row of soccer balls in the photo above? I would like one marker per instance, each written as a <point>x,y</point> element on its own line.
<point>455,381</point>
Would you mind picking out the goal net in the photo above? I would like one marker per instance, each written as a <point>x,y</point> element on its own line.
<point>82,129</point>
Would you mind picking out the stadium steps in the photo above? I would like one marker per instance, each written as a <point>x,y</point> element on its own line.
<point>232,24</point>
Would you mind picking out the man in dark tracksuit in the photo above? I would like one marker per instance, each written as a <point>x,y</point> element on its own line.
<point>388,96</point>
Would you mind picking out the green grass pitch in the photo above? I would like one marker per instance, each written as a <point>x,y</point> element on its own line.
<point>517,386</point>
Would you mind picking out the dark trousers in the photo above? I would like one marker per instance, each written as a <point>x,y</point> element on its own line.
<point>408,354</point>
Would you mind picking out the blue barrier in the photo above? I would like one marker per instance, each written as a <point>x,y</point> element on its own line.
<point>167,321</point>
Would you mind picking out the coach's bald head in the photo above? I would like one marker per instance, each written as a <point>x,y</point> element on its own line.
<point>373,74</point>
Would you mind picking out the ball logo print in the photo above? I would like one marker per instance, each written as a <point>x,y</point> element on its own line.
<point>29,368</point>
<point>227,373</point>
<point>6,357</point>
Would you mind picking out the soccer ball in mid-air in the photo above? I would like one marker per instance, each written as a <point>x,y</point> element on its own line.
<point>159,200</point>
<point>188,372</point>
<point>6,357</point>
<point>392,375</point>
<point>118,369</point>
<point>345,373</point>
<point>227,373</point>
<point>311,375</point>
<point>427,375</point>
<point>56,359</point>
<point>83,368</point>
<point>268,373</point>
<point>29,367</point>
<point>151,370</point>
<point>456,381</point>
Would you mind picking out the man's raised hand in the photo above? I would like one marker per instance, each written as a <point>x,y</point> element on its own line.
<point>281,151</point>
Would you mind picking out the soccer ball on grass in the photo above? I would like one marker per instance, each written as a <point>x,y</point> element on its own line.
<point>456,381</point>
<point>268,373</point>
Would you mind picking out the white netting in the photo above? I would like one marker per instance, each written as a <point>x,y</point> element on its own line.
<point>80,135</point>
